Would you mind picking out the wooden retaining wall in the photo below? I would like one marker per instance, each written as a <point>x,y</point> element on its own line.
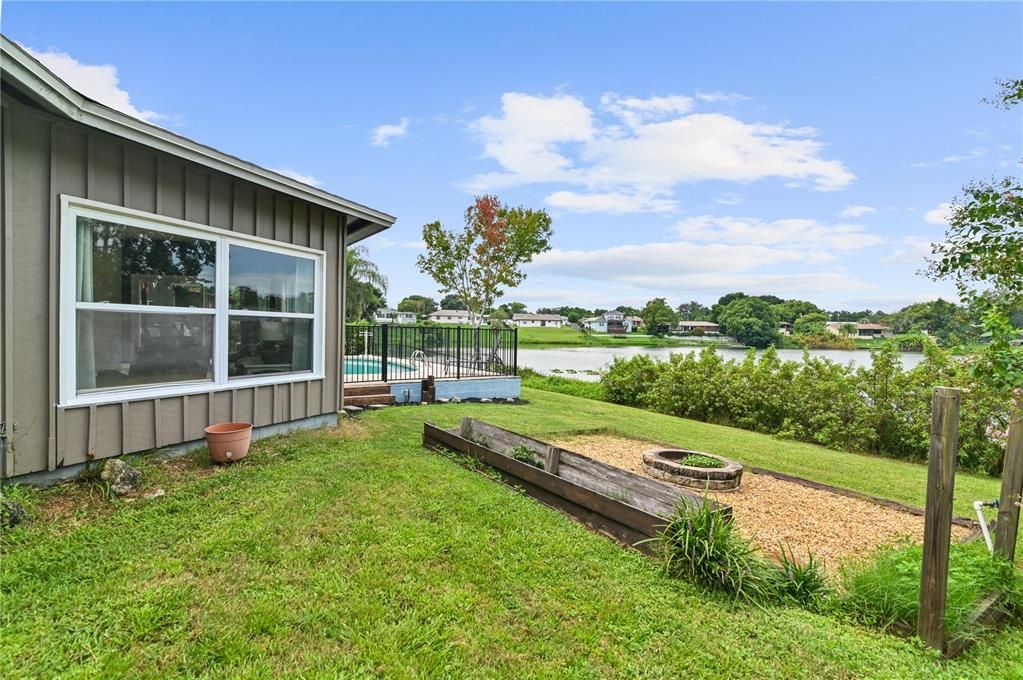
<point>620,504</point>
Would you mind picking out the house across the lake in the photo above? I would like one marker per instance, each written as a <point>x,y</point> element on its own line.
<point>459,316</point>
<point>697,328</point>
<point>387,315</point>
<point>538,320</point>
<point>609,322</point>
<point>152,285</point>
<point>860,330</point>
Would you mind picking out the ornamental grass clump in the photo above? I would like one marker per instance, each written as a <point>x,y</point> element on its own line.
<point>801,582</point>
<point>885,592</point>
<point>701,545</point>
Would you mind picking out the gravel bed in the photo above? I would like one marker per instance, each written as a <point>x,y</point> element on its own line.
<point>773,512</point>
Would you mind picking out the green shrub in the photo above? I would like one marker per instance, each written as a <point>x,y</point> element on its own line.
<point>880,409</point>
<point>628,379</point>
<point>886,591</point>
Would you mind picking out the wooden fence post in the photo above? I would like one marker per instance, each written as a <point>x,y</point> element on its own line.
<point>941,470</point>
<point>1007,526</point>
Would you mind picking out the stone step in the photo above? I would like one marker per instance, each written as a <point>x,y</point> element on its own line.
<point>369,399</point>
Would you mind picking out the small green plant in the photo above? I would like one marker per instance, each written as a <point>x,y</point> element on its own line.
<point>524,454</point>
<point>91,478</point>
<point>696,460</point>
<point>801,582</point>
<point>701,544</point>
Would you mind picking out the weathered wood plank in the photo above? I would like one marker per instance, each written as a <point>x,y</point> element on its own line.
<point>653,496</point>
<point>941,469</point>
<point>624,513</point>
<point>552,460</point>
<point>1007,526</point>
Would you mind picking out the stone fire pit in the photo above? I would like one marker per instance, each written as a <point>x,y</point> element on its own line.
<point>692,469</point>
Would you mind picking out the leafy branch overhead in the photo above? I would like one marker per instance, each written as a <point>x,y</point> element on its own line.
<point>483,260</point>
<point>983,254</point>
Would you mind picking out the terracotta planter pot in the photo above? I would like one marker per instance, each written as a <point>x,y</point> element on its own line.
<point>228,442</point>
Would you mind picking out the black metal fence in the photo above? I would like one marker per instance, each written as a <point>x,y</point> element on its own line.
<point>392,352</point>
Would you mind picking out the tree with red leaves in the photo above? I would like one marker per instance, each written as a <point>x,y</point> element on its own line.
<point>487,257</point>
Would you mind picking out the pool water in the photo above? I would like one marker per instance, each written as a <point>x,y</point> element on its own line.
<point>370,365</point>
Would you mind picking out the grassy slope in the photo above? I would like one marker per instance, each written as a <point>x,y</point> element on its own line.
<point>327,555</point>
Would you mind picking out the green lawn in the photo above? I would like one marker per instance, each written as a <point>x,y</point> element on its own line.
<point>358,553</point>
<point>570,337</point>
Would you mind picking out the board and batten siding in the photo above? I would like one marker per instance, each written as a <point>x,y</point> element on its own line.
<point>45,157</point>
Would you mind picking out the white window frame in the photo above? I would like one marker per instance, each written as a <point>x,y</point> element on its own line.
<point>73,207</point>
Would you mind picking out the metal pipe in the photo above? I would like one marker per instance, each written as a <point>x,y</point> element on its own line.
<point>979,506</point>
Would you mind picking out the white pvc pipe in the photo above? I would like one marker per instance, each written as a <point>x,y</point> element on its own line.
<point>979,507</point>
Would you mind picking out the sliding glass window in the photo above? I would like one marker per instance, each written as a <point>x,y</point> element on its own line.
<point>145,302</point>
<point>166,305</point>
<point>273,303</point>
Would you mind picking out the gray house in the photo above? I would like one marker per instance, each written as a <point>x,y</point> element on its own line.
<point>152,285</point>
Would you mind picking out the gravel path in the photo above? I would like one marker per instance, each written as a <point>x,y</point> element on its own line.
<point>773,512</point>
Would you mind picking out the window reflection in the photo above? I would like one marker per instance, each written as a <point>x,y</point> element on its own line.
<point>127,265</point>
<point>265,345</point>
<point>121,349</point>
<point>271,282</point>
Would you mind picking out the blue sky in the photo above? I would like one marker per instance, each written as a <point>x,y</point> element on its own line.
<point>683,150</point>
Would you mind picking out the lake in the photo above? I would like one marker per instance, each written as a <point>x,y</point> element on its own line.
<point>597,358</point>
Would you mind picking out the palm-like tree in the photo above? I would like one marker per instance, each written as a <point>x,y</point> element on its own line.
<point>365,284</point>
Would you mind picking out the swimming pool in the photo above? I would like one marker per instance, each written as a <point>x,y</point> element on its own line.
<point>371,366</point>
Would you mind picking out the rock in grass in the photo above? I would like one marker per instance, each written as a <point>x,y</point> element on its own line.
<point>11,514</point>
<point>123,478</point>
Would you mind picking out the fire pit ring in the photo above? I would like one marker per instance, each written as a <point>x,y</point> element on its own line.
<point>670,465</point>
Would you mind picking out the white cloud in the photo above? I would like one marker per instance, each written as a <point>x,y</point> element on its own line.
<point>730,198</point>
<point>697,266</point>
<point>96,81</point>
<point>974,153</point>
<point>386,242</point>
<point>801,233</point>
<point>613,202</point>
<point>723,97</point>
<point>912,250</point>
<point>525,138</point>
<point>298,176</point>
<point>668,263</point>
<point>857,211</point>
<point>939,216</point>
<point>384,134</point>
<point>647,148</point>
<point>635,111</point>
